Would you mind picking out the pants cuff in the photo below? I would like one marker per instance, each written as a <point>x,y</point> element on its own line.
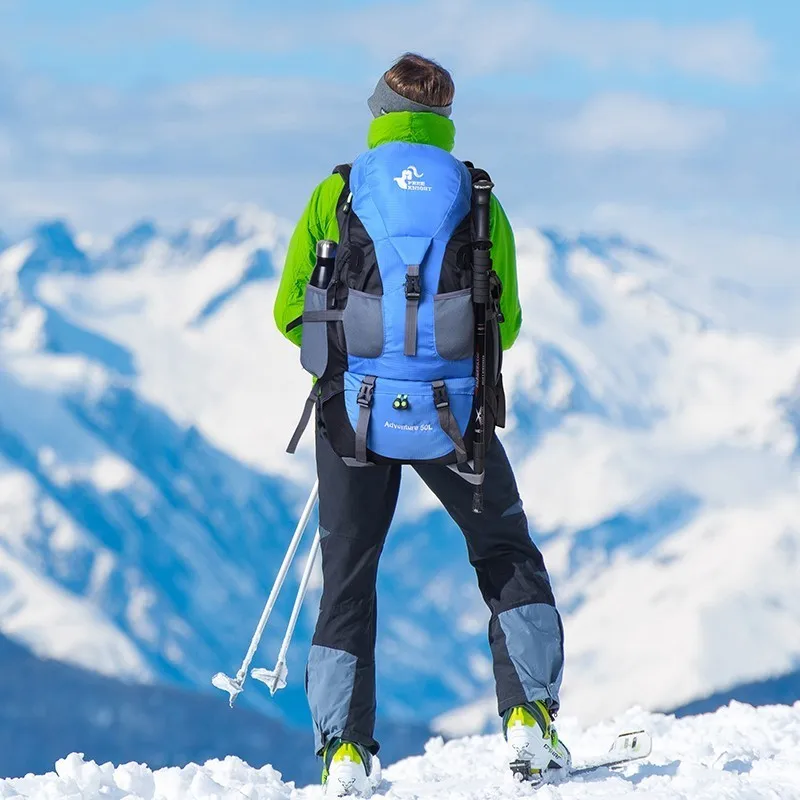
<point>518,700</point>
<point>349,735</point>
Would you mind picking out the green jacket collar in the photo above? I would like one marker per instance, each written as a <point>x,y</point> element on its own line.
<point>417,127</point>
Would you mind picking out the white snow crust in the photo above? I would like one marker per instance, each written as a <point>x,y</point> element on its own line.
<point>737,753</point>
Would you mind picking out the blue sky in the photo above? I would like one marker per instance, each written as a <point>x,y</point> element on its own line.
<point>588,114</point>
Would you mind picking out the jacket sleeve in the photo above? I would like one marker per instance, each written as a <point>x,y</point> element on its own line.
<point>504,262</point>
<point>317,222</point>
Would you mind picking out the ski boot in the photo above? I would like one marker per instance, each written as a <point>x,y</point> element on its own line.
<point>346,769</point>
<point>536,754</point>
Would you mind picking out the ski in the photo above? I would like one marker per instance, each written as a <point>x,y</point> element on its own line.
<point>627,747</point>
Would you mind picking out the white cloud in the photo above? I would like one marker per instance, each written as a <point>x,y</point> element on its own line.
<point>620,121</point>
<point>103,155</point>
<point>520,33</point>
<point>472,36</point>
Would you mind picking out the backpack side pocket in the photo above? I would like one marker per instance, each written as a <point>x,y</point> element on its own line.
<point>314,353</point>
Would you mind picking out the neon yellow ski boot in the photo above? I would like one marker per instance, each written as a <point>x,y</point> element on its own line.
<point>346,769</point>
<point>534,747</point>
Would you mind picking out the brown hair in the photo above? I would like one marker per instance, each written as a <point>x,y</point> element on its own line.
<point>422,80</point>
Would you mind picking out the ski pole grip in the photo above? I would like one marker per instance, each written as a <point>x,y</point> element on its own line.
<point>481,198</point>
<point>481,254</point>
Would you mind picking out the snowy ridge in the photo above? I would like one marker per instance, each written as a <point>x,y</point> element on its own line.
<point>118,520</point>
<point>739,753</point>
<point>145,401</point>
<point>662,442</point>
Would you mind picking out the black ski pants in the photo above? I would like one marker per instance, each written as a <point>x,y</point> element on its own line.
<point>356,505</point>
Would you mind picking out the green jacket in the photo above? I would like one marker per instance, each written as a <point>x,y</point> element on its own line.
<point>319,222</point>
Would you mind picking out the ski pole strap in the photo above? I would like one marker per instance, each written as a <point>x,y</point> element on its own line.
<point>305,417</point>
<point>441,400</point>
<point>413,293</point>
<point>364,400</point>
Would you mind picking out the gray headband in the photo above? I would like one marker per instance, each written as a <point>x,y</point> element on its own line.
<point>385,100</point>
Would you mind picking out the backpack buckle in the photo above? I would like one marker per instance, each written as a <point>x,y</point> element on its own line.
<point>413,287</point>
<point>366,392</point>
<point>440,397</point>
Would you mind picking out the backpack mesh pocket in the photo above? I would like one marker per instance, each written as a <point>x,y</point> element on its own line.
<point>363,324</point>
<point>454,325</point>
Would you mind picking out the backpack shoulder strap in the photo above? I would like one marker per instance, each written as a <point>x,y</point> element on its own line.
<point>343,170</point>
<point>344,202</point>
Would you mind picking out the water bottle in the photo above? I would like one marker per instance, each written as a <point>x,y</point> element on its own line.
<point>323,268</point>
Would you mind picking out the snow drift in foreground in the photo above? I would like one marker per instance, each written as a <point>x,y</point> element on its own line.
<point>739,753</point>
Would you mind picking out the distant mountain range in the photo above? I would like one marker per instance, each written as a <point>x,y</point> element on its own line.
<point>145,498</point>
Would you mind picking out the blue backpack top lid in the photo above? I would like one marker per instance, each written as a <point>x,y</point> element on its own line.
<point>410,194</point>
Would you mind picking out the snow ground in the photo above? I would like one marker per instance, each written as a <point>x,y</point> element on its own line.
<point>737,753</point>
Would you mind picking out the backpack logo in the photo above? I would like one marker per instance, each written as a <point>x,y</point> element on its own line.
<point>410,180</point>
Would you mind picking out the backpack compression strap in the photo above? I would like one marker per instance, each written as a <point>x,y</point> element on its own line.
<point>447,420</point>
<point>305,418</point>
<point>413,289</point>
<point>365,395</point>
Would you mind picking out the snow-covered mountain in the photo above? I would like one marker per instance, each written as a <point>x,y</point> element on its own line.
<point>739,753</point>
<point>131,542</point>
<point>145,498</point>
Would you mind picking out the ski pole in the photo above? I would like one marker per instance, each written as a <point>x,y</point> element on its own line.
<point>481,267</point>
<point>276,678</point>
<point>234,686</point>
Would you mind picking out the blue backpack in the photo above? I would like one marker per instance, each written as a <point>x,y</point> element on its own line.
<point>391,340</point>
